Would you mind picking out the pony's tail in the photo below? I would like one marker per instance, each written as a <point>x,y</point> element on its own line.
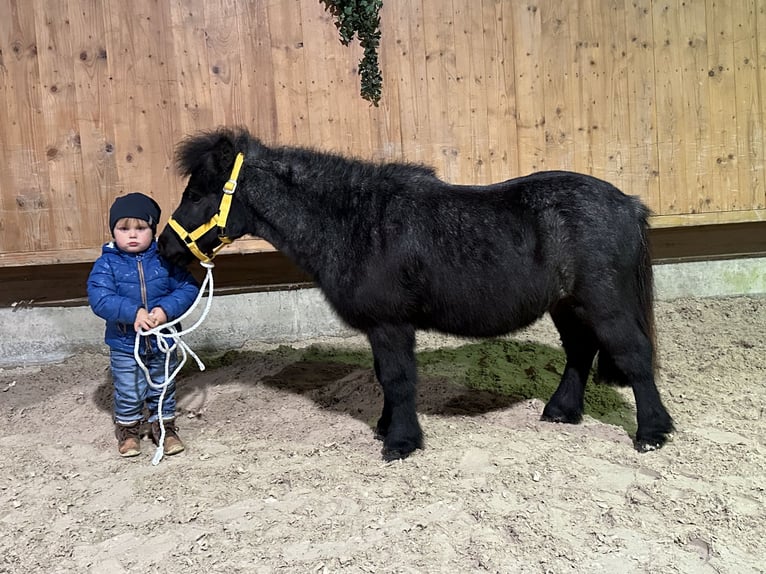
<point>643,290</point>
<point>645,285</point>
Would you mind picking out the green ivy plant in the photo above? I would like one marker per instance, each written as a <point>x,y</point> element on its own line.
<point>361,18</point>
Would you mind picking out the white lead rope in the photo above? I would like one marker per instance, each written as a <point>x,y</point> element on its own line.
<point>165,347</point>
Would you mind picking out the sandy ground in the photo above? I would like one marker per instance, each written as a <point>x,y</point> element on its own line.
<point>282,472</point>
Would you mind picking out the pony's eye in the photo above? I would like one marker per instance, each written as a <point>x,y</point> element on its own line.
<point>194,196</point>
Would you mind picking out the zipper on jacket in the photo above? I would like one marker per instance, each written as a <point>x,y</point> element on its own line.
<point>144,298</point>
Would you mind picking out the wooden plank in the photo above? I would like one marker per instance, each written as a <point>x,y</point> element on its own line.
<point>9,132</point>
<point>165,180</point>
<point>257,70</point>
<point>502,129</point>
<point>195,104</point>
<point>528,87</point>
<point>759,159</point>
<point>695,195</point>
<point>64,284</point>
<point>321,77</point>
<point>574,93</point>
<point>463,116</point>
<point>721,139</point>
<point>705,242</point>
<point>224,51</point>
<point>669,87</point>
<point>129,46</point>
<point>592,125</point>
<point>379,132</point>
<point>98,180</point>
<point>709,218</point>
<point>439,44</point>
<point>616,127</point>
<point>644,176</point>
<point>289,65</point>
<point>61,138</point>
<point>404,83</point>
<point>144,101</point>
<point>581,122</point>
<point>28,207</point>
<point>560,83</point>
<point>350,117</point>
<point>406,70</point>
<point>360,129</point>
<point>751,155</point>
<point>477,167</point>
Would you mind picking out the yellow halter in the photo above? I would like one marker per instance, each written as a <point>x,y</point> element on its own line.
<point>218,220</point>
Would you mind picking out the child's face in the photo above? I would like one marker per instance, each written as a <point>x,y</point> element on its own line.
<point>132,235</point>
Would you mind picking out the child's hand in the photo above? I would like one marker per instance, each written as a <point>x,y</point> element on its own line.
<point>159,314</point>
<point>144,320</point>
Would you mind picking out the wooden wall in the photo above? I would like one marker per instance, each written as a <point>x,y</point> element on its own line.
<point>666,99</point>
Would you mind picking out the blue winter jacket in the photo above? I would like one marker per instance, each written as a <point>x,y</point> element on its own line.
<point>121,283</point>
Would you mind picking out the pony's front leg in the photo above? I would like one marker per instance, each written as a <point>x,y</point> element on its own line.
<point>393,348</point>
<point>566,404</point>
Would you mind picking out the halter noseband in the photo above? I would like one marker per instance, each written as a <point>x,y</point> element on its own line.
<point>218,220</point>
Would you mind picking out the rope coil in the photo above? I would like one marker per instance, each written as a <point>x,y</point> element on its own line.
<point>162,343</point>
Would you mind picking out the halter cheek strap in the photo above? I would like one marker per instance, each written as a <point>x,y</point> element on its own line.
<point>218,220</point>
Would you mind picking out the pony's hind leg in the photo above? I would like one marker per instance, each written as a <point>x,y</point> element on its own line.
<point>580,345</point>
<point>393,349</point>
<point>629,360</point>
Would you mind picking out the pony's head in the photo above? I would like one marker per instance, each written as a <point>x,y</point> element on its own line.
<point>202,223</point>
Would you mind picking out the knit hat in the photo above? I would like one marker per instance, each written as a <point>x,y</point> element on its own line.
<point>135,205</point>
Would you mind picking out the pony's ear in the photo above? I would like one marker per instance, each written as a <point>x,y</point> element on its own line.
<point>222,155</point>
<point>213,151</point>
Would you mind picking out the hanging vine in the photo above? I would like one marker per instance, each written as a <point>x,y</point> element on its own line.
<point>361,18</point>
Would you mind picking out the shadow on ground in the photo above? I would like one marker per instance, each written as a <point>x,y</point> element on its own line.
<point>469,380</point>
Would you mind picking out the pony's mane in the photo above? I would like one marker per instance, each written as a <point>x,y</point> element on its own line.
<point>346,168</point>
<point>216,148</point>
<point>199,149</point>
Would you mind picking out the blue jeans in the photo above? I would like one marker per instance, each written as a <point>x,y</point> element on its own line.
<point>131,391</point>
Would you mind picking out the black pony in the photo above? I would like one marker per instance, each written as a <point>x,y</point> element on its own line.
<point>395,249</point>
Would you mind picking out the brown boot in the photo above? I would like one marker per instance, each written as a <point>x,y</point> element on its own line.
<point>172,444</point>
<point>128,439</point>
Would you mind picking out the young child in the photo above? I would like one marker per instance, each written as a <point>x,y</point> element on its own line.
<point>132,287</point>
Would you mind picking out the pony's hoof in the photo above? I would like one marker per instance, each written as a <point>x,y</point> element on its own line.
<point>648,445</point>
<point>400,449</point>
<point>392,454</point>
<point>553,415</point>
<point>654,435</point>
